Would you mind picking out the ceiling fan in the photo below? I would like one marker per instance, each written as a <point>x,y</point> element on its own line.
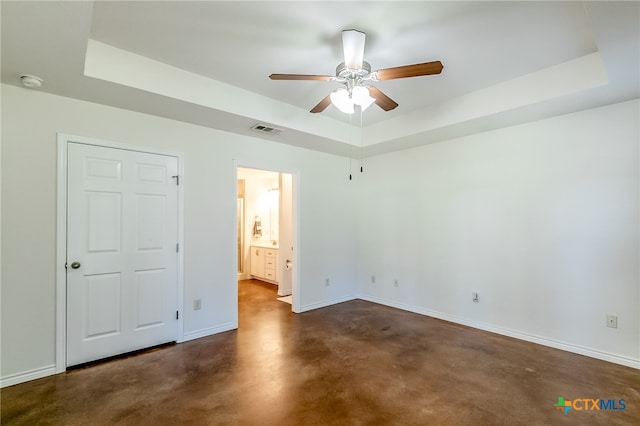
<point>356,76</point>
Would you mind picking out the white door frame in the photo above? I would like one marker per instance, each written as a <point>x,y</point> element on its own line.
<point>295,285</point>
<point>61,237</point>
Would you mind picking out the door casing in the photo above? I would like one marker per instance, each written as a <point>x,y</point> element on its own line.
<point>61,236</point>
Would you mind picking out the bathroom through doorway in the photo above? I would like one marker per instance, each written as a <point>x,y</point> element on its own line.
<point>265,229</point>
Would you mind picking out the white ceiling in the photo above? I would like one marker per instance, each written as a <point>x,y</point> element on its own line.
<point>208,62</point>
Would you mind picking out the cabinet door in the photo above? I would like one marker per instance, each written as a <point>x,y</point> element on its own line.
<point>257,262</point>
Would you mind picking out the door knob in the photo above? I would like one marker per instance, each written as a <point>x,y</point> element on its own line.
<point>287,264</point>
<point>75,265</point>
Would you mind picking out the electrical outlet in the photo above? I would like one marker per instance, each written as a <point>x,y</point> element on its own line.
<point>395,283</point>
<point>327,282</point>
<point>373,279</point>
<point>197,304</point>
<point>475,298</point>
<point>612,321</point>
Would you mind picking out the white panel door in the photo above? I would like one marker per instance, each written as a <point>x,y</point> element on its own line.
<point>122,232</point>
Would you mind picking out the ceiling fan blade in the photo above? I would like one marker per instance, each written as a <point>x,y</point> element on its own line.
<point>382,100</point>
<point>353,48</point>
<point>300,77</point>
<point>322,105</point>
<point>427,68</point>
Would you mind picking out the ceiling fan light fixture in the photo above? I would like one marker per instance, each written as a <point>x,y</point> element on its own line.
<point>361,96</point>
<point>340,99</point>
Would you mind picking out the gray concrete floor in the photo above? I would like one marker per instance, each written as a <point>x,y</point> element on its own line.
<point>356,363</point>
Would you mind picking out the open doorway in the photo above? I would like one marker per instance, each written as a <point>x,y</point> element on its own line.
<point>265,229</point>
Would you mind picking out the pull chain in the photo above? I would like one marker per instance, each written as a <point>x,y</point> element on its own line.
<point>361,136</point>
<point>350,148</point>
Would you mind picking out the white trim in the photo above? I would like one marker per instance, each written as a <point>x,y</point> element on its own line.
<point>325,303</point>
<point>568,347</point>
<point>235,242</point>
<point>296,286</point>
<point>61,237</point>
<point>180,268</point>
<point>244,276</point>
<point>25,376</point>
<point>61,257</point>
<point>228,326</point>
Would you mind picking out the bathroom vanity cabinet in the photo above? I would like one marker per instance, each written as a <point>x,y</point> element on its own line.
<point>264,263</point>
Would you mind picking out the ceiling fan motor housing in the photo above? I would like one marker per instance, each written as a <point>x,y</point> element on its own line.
<point>344,73</point>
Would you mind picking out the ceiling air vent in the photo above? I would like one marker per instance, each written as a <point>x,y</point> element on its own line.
<point>265,129</point>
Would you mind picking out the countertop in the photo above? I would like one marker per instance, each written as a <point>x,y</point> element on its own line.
<point>264,244</point>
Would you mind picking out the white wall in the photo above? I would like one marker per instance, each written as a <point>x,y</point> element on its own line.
<point>30,122</point>
<point>540,219</point>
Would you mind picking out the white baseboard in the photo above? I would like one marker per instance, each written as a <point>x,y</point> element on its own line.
<point>204,332</point>
<point>38,373</point>
<point>569,347</point>
<point>14,379</point>
<point>325,303</point>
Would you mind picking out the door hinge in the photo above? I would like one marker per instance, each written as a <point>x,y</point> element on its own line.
<point>177,178</point>
<point>177,247</point>
<point>177,314</point>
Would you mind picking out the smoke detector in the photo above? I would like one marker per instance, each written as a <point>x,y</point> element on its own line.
<point>31,81</point>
